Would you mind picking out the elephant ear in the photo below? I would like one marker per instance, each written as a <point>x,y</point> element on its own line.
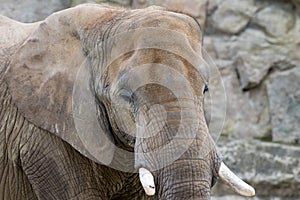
<point>42,77</point>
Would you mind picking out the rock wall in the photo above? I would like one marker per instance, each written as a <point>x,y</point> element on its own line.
<point>256,46</point>
<point>31,10</point>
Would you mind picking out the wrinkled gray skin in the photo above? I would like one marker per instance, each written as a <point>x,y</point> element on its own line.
<point>41,157</point>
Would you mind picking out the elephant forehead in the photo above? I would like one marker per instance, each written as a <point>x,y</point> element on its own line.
<point>154,66</point>
<point>152,17</point>
<point>171,20</point>
<point>164,19</point>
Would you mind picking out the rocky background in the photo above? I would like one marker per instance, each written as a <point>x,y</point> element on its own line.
<point>256,46</point>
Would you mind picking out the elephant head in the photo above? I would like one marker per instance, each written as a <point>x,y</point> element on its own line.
<point>125,88</point>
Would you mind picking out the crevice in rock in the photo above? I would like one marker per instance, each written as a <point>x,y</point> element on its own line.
<point>263,79</point>
<point>267,138</point>
<point>283,65</point>
<point>237,73</point>
<point>277,66</point>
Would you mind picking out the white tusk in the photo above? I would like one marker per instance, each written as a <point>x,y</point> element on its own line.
<point>147,181</point>
<point>235,182</point>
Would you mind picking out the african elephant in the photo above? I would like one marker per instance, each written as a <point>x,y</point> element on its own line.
<point>106,103</point>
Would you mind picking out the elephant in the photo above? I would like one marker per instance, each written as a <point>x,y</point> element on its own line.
<point>99,102</point>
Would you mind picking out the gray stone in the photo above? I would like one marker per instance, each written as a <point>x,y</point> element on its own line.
<point>258,53</point>
<point>241,118</point>
<point>258,99</point>
<point>209,47</point>
<point>31,10</point>
<point>232,16</point>
<point>261,43</point>
<point>212,6</point>
<point>146,3</point>
<point>255,57</point>
<point>125,3</point>
<point>284,96</point>
<point>273,169</point>
<point>122,2</point>
<point>247,113</point>
<point>194,8</point>
<point>269,17</point>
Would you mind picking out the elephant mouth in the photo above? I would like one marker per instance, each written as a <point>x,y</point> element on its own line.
<point>120,138</point>
<point>124,137</point>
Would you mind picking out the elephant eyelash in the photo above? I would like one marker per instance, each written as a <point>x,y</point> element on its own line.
<point>127,99</point>
<point>206,89</point>
<point>127,96</point>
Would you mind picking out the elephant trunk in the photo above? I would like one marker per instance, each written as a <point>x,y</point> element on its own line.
<point>173,143</point>
<point>187,177</point>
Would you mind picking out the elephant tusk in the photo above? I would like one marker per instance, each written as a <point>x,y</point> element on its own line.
<point>147,181</point>
<point>235,182</point>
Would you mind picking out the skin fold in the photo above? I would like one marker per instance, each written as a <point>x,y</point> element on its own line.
<point>43,156</point>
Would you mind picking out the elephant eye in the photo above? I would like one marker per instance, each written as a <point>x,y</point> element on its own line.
<point>126,95</point>
<point>205,88</point>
